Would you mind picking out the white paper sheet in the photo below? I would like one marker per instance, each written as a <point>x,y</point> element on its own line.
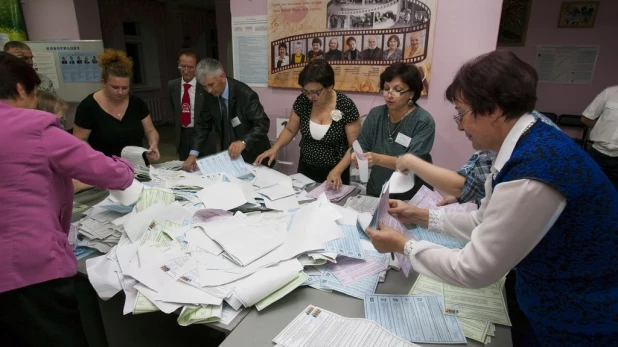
<point>136,225</point>
<point>400,182</point>
<point>103,275</point>
<point>130,195</point>
<point>264,282</point>
<point>222,195</point>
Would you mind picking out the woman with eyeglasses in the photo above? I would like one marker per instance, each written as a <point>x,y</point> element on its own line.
<point>549,212</point>
<point>400,126</point>
<point>328,122</point>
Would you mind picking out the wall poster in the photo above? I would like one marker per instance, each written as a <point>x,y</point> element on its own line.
<point>359,38</point>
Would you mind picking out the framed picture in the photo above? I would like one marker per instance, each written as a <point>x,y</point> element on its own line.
<point>578,14</point>
<point>514,22</point>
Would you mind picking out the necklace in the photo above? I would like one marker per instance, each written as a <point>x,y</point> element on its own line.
<point>390,134</point>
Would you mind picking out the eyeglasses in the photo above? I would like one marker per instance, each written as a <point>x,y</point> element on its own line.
<point>185,67</point>
<point>459,117</point>
<point>309,93</point>
<point>393,92</point>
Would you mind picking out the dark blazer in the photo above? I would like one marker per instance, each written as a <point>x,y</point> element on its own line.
<point>243,103</point>
<point>334,55</point>
<point>174,88</point>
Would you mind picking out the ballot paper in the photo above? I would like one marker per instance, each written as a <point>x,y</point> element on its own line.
<point>130,195</point>
<point>422,234</point>
<point>135,155</point>
<point>283,291</point>
<point>315,326</point>
<point>222,195</point>
<point>223,163</point>
<point>381,215</point>
<point>426,198</point>
<point>349,270</point>
<point>277,191</point>
<point>79,208</point>
<point>332,194</point>
<point>415,318</point>
<point>357,289</point>
<point>263,283</point>
<point>301,181</point>
<point>199,314</point>
<point>266,177</point>
<point>363,163</point>
<point>151,196</point>
<point>362,203</point>
<point>347,246</point>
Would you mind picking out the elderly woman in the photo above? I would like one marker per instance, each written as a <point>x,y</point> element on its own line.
<point>111,119</point>
<point>37,161</point>
<point>549,211</point>
<point>328,122</point>
<point>400,126</point>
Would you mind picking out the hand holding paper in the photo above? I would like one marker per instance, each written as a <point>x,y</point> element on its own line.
<point>361,162</point>
<point>386,239</point>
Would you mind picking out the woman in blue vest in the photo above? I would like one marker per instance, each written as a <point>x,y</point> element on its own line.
<point>549,212</point>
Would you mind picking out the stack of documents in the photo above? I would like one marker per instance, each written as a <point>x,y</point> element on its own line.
<point>332,194</point>
<point>179,247</point>
<point>318,327</point>
<point>476,309</point>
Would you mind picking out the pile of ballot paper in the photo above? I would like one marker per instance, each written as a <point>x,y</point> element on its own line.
<point>183,243</point>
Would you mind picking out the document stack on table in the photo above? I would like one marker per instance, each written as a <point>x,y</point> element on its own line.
<point>210,261</point>
<point>476,309</point>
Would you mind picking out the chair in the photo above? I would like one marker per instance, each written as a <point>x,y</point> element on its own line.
<point>552,116</point>
<point>574,121</point>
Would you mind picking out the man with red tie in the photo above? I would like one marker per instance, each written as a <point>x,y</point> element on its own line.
<point>187,99</point>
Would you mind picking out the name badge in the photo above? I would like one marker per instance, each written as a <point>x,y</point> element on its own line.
<point>236,122</point>
<point>403,140</point>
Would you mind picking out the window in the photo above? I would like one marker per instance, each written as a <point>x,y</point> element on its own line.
<point>141,46</point>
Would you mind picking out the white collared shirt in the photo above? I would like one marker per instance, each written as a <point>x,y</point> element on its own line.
<point>511,221</point>
<point>604,108</point>
<point>193,83</point>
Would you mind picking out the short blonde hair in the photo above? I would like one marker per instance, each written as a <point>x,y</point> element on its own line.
<point>50,102</point>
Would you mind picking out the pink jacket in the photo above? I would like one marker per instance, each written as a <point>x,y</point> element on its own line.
<point>37,162</point>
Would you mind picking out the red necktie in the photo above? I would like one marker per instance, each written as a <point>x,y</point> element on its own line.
<point>185,112</point>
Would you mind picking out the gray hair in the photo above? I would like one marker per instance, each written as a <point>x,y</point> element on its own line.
<point>208,67</point>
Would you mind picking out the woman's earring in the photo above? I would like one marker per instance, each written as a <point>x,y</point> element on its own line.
<point>410,102</point>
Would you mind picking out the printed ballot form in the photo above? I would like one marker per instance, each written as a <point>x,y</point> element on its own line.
<point>317,327</point>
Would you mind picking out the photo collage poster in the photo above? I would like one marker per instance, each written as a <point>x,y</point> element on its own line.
<point>359,38</point>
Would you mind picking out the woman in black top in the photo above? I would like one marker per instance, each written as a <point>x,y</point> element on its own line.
<point>328,122</point>
<point>111,119</point>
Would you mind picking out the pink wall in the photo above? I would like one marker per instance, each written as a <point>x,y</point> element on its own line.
<point>464,29</point>
<point>46,20</point>
<point>542,29</point>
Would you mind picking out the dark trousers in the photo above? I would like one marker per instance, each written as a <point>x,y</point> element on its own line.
<point>608,164</point>
<point>186,141</point>
<point>319,173</point>
<point>43,314</point>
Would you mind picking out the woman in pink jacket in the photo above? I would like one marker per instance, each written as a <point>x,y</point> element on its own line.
<point>37,161</point>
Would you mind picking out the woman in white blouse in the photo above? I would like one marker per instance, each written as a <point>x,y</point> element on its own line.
<point>283,58</point>
<point>549,212</point>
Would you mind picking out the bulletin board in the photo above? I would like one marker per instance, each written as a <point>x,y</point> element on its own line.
<point>71,65</point>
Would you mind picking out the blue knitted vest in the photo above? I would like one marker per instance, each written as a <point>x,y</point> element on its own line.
<point>568,284</point>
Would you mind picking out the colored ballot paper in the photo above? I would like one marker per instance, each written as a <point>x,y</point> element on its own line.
<point>321,328</point>
<point>362,203</point>
<point>151,196</point>
<point>222,163</point>
<point>350,270</point>
<point>422,234</point>
<point>332,194</point>
<point>349,245</point>
<point>426,198</point>
<point>283,291</point>
<point>381,215</point>
<point>415,318</point>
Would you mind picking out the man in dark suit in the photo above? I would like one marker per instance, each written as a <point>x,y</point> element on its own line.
<point>234,111</point>
<point>186,97</point>
<point>372,52</point>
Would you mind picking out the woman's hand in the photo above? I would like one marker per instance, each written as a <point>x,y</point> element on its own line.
<point>353,159</point>
<point>406,213</point>
<point>386,239</point>
<point>372,158</point>
<point>447,200</point>
<point>402,165</point>
<point>333,181</point>
<point>153,152</point>
<point>271,154</point>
